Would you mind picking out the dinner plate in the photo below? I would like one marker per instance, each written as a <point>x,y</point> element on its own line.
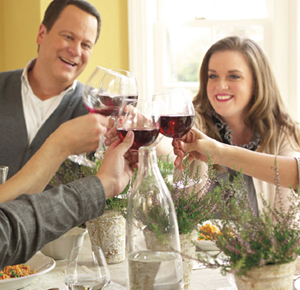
<point>39,262</point>
<point>207,245</point>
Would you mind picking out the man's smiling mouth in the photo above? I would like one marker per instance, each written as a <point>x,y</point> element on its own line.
<point>67,61</point>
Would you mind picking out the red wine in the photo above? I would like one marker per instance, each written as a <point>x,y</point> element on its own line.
<point>176,126</point>
<point>107,111</point>
<point>142,136</point>
<point>114,101</point>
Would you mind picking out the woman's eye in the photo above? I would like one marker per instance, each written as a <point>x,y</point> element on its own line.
<point>212,76</point>
<point>235,77</point>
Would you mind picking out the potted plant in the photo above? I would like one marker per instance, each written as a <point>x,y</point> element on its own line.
<point>261,251</point>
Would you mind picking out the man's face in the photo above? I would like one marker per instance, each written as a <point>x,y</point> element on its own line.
<point>65,50</point>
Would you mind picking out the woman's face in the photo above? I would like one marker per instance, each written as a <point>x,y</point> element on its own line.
<point>230,84</point>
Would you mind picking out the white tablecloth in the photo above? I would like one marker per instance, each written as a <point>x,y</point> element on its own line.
<point>204,279</point>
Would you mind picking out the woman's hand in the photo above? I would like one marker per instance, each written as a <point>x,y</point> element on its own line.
<point>198,145</point>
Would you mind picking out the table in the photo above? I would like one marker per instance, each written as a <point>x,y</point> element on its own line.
<point>204,279</point>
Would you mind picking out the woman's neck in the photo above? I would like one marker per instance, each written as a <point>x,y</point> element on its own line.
<point>241,134</point>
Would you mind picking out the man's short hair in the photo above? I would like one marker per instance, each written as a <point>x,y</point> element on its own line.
<point>56,7</point>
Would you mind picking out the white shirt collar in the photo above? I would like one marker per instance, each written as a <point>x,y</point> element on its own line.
<point>29,66</point>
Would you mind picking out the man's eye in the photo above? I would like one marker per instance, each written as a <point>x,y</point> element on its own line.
<point>86,46</point>
<point>68,37</point>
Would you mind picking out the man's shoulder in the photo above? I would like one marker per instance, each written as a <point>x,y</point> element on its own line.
<point>10,74</point>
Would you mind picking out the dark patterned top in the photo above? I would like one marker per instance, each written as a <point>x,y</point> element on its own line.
<point>225,133</point>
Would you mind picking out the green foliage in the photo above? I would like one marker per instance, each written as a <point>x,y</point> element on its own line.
<point>66,174</point>
<point>194,205</point>
<point>250,241</point>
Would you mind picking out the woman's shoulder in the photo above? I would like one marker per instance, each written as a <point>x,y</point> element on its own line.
<point>200,123</point>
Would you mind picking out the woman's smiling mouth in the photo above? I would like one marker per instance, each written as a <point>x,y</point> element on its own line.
<point>224,97</point>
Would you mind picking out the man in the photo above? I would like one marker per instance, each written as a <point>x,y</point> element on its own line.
<point>36,100</point>
<point>31,221</point>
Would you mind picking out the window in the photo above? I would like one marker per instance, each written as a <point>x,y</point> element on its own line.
<point>168,39</point>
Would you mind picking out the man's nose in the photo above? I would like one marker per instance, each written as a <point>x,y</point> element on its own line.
<point>75,48</point>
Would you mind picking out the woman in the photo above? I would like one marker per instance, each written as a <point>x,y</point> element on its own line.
<point>239,103</point>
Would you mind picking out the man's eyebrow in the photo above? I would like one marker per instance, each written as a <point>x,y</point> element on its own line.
<point>74,35</point>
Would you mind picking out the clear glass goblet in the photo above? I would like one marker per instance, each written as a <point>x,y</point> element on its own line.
<point>86,269</point>
<point>103,94</point>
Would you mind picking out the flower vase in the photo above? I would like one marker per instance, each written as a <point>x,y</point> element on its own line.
<point>108,232</point>
<point>188,249</point>
<point>278,276</point>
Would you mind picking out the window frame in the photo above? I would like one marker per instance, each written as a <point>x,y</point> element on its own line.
<point>282,45</point>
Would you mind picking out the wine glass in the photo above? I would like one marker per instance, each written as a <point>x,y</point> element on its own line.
<point>3,173</point>
<point>140,116</point>
<point>177,114</point>
<point>103,94</point>
<point>86,269</point>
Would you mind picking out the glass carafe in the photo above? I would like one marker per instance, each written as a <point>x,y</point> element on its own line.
<point>152,236</point>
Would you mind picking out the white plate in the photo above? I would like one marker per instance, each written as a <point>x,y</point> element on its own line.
<point>42,264</point>
<point>207,245</point>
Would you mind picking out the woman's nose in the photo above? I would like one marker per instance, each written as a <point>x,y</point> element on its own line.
<point>222,85</point>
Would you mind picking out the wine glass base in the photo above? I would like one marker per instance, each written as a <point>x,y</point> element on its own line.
<point>82,161</point>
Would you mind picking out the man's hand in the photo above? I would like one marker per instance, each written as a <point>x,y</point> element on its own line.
<point>117,166</point>
<point>80,135</point>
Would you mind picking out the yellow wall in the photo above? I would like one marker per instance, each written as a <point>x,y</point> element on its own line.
<point>20,20</point>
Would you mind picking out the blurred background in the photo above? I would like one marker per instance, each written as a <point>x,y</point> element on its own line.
<point>163,41</point>
<point>19,24</point>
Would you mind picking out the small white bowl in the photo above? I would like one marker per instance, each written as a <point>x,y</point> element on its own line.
<point>60,248</point>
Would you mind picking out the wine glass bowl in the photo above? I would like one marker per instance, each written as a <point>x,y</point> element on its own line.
<point>86,269</point>
<point>103,94</point>
<point>140,116</point>
<point>177,113</point>
<point>106,89</point>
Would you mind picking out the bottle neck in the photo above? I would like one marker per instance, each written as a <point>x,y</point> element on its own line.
<point>147,158</point>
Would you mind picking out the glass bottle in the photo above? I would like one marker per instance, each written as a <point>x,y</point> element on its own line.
<point>152,237</point>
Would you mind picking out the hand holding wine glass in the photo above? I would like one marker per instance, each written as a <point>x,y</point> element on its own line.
<point>86,269</point>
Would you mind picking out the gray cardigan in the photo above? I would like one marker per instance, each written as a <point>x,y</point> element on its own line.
<point>31,221</point>
<point>14,149</point>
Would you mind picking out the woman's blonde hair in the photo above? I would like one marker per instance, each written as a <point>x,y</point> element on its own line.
<point>267,114</point>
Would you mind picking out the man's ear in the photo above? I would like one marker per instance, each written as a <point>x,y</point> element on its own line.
<point>41,34</point>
